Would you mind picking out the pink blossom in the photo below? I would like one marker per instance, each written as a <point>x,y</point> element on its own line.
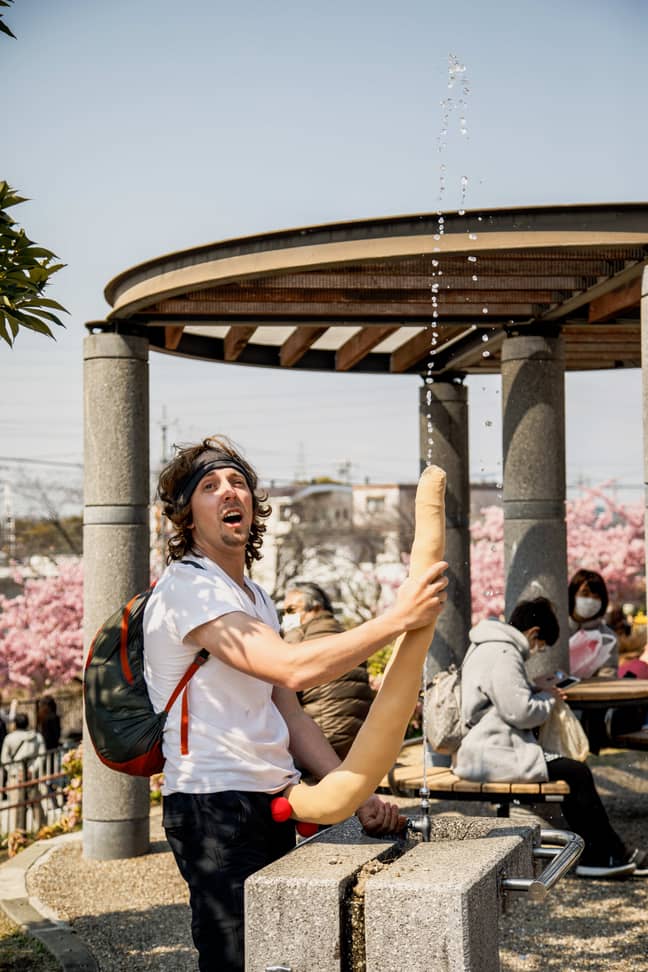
<point>41,636</point>
<point>602,535</point>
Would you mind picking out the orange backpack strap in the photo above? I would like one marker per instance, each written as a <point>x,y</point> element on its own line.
<point>197,663</point>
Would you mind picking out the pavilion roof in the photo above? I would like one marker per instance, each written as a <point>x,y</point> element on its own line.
<point>379,295</point>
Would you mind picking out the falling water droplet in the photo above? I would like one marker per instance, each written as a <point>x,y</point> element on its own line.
<point>484,337</point>
<point>475,277</point>
<point>485,354</point>
<point>472,259</point>
<point>484,310</point>
<point>472,236</point>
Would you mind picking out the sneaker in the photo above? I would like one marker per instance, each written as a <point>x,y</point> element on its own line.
<point>618,871</point>
<point>640,860</point>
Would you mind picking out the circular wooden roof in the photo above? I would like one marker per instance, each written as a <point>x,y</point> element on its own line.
<point>407,294</point>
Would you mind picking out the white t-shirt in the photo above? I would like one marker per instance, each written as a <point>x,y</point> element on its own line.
<point>238,740</point>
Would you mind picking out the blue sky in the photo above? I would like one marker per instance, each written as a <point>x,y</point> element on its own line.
<point>138,128</point>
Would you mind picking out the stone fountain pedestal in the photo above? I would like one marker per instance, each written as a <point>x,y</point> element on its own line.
<point>345,902</point>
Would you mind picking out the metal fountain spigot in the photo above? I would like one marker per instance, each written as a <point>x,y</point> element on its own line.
<point>423,823</point>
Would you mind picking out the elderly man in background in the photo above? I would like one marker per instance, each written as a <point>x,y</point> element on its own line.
<point>338,707</point>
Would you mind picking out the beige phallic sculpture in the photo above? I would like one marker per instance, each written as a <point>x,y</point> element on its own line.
<point>375,748</point>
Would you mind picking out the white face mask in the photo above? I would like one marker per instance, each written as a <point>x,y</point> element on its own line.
<point>587,607</point>
<point>291,621</point>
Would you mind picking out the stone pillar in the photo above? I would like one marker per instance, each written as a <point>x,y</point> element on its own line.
<point>644,370</point>
<point>535,540</point>
<point>116,559</point>
<point>345,901</point>
<point>444,405</point>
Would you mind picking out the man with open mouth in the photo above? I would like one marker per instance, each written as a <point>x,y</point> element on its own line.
<point>235,736</point>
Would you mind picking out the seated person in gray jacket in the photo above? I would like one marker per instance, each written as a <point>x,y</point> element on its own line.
<point>338,707</point>
<point>502,708</point>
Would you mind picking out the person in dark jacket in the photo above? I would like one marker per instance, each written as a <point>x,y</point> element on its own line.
<point>48,721</point>
<point>338,707</point>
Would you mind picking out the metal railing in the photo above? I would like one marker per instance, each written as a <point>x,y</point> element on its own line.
<point>32,791</point>
<point>561,859</point>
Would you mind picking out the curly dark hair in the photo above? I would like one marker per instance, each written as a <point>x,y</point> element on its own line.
<point>174,476</point>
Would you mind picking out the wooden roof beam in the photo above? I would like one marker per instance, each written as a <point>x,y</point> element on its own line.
<point>420,346</point>
<point>172,336</point>
<point>360,344</point>
<point>616,282</point>
<point>296,346</point>
<point>236,340</point>
<point>613,303</point>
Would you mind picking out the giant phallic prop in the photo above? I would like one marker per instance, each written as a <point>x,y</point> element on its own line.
<point>339,794</point>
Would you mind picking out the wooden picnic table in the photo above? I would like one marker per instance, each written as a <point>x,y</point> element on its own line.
<point>606,693</point>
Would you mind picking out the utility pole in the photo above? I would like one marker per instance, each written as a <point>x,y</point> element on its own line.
<point>164,427</point>
<point>9,523</point>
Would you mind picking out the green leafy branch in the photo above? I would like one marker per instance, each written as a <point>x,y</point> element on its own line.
<point>3,27</point>
<point>25,271</point>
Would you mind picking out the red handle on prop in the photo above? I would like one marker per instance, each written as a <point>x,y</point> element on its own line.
<point>305,829</point>
<point>280,811</point>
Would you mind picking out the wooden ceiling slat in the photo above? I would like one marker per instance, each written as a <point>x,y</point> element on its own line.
<point>360,344</point>
<point>607,306</point>
<point>236,340</point>
<point>392,281</point>
<point>344,311</point>
<point>296,346</point>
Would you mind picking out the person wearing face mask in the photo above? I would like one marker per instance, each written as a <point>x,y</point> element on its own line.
<point>588,602</point>
<point>338,707</point>
<point>501,708</point>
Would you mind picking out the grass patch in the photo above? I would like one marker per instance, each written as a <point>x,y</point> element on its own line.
<point>20,953</point>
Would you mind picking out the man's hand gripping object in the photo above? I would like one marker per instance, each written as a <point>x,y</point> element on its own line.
<point>375,748</point>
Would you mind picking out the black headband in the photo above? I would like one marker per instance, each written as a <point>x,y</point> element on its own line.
<point>187,487</point>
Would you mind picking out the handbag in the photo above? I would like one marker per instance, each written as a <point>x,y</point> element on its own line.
<point>562,733</point>
<point>589,651</point>
<point>444,728</point>
<point>443,711</point>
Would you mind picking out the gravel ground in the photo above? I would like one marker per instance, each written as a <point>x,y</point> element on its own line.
<point>134,914</point>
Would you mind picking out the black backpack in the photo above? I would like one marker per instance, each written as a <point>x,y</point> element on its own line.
<point>125,730</point>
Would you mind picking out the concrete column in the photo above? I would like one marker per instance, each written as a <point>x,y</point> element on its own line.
<point>116,559</point>
<point>444,405</point>
<point>535,540</point>
<point>644,371</point>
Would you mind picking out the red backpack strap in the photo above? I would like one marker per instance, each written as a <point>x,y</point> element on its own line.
<point>182,685</point>
<point>197,663</point>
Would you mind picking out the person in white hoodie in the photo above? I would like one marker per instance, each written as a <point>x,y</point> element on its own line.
<point>502,708</point>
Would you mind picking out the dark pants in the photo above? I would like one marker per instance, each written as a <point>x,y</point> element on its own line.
<point>218,840</point>
<point>585,813</point>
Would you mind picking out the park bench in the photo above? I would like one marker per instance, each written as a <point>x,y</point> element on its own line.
<point>405,778</point>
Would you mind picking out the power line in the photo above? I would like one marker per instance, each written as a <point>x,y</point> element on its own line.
<point>42,462</point>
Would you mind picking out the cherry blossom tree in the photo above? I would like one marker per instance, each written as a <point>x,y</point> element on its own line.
<point>41,638</point>
<point>602,535</point>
